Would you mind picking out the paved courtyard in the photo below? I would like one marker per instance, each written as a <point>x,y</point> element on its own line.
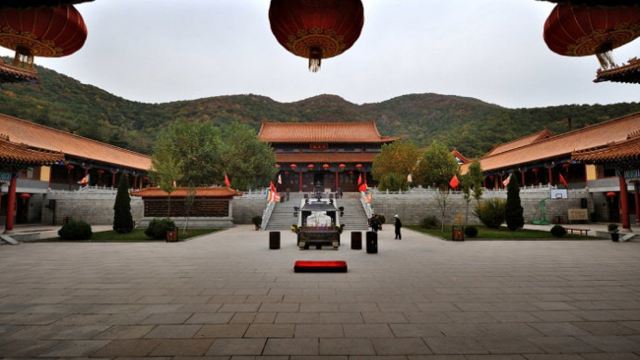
<point>226,295</point>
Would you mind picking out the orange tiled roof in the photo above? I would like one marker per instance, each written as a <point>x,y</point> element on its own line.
<point>458,155</point>
<point>328,157</point>
<point>563,144</point>
<point>213,192</point>
<point>620,151</point>
<point>322,132</point>
<point>19,154</point>
<point>523,141</point>
<point>42,137</point>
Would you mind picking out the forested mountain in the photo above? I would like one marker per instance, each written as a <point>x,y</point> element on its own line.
<point>469,124</point>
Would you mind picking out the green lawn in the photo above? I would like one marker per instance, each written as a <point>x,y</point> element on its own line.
<point>138,235</point>
<point>485,233</point>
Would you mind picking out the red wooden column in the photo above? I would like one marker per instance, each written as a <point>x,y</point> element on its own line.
<point>522,178</point>
<point>624,202</point>
<point>11,203</point>
<point>636,196</point>
<point>113,178</point>
<point>337,179</point>
<point>550,175</point>
<point>485,182</point>
<point>495,182</point>
<point>300,181</point>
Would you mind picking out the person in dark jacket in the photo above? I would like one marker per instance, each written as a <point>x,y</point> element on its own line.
<point>398,225</point>
<point>374,223</point>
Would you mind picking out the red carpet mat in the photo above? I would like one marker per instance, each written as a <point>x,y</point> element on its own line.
<point>313,266</point>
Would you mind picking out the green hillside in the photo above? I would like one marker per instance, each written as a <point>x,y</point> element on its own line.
<point>469,124</point>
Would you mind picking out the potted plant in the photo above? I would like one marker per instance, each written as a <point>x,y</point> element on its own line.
<point>257,222</point>
<point>613,230</point>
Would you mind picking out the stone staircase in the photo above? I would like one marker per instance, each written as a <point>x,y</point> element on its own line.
<point>354,217</point>
<point>282,217</point>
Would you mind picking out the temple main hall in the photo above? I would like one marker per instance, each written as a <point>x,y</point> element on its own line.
<point>333,156</point>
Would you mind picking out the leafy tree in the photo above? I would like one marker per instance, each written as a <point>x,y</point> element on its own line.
<point>436,167</point>
<point>189,200</point>
<point>398,158</point>
<point>513,208</point>
<point>475,173</point>
<point>122,219</point>
<point>393,182</point>
<point>471,184</point>
<point>248,162</point>
<point>166,170</point>
<point>194,148</point>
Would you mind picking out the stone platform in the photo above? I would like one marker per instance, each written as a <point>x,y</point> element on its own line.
<point>225,294</point>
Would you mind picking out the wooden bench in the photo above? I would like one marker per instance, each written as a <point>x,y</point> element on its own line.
<point>580,231</point>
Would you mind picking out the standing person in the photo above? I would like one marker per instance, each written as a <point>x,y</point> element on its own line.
<point>398,225</point>
<point>374,223</point>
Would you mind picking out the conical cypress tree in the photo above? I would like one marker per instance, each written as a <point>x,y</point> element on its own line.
<point>513,208</point>
<point>122,219</point>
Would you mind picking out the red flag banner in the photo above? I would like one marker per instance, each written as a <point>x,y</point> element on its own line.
<point>506,181</point>
<point>359,179</point>
<point>227,183</point>
<point>563,181</point>
<point>362,187</point>
<point>454,182</point>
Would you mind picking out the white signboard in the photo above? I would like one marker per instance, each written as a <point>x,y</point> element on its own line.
<point>559,194</point>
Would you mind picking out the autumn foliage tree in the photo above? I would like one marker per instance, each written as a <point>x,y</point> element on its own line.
<point>435,168</point>
<point>394,163</point>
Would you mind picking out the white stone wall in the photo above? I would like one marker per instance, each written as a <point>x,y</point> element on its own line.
<point>246,207</point>
<point>415,205</point>
<point>94,207</point>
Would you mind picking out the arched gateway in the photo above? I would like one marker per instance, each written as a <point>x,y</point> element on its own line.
<point>333,155</point>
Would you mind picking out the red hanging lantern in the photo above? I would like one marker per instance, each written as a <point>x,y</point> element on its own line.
<point>358,166</point>
<point>293,166</point>
<point>535,170</point>
<point>277,166</point>
<point>33,3</point>
<point>342,166</point>
<point>611,194</point>
<point>316,29</point>
<point>580,30</point>
<point>310,166</point>
<point>38,31</point>
<point>326,166</point>
<point>566,165</point>
<point>25,196</point>
<point>69,167</point>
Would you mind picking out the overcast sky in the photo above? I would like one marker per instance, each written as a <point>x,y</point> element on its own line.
<point>165,50</point>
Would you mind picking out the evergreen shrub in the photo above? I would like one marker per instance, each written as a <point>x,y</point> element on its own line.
<point>158,228</point>
<point>75,230</point>
<point>430,222</point>
<point>558,231</point>
<point>122,219</point>
<point>471,231</point>
<point>513,209</point>
<point>491,212</point>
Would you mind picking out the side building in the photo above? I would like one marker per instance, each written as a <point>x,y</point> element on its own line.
<point>330,155</point>
<point>88,161</point>
<point>546,159</point>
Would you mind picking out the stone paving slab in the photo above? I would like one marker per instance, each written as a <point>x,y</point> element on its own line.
<point>227,296</point>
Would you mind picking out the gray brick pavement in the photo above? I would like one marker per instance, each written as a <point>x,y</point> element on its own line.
<point>226,296</point>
